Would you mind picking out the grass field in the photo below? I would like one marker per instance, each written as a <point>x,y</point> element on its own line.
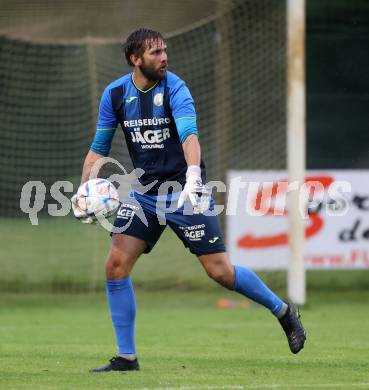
<point>49,341</point>
<point>63,255</point>
<point>184,342</point>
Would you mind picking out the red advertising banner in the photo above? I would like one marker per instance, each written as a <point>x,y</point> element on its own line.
<point>334,205</point>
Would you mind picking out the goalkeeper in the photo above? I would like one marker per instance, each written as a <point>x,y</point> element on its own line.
<point>156,112</point>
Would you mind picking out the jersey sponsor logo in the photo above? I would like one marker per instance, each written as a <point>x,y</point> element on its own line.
<point>130,206</point>
<point>127,211</point>
<point>194,232</point>
<point>146,122</point>
<point>158,99</point>
<point>131,99</point>
<point>150,139</point>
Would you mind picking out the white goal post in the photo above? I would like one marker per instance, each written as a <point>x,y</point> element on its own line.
<point>296,283</point>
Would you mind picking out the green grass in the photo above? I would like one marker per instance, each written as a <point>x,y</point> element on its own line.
<point>63,255</point>
<point>184,342</point>
<point>49,341</point>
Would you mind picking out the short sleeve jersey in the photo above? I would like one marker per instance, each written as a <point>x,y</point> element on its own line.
<point>148,120</point>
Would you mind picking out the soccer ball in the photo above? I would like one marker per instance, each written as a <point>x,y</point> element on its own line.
<point>98,197</point>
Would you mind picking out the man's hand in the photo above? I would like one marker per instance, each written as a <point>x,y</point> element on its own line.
<point>195,191</point>
<point>91,159</point>
<point>78,212</point>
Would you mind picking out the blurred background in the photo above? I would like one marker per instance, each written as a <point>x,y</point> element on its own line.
<point>57,56</point>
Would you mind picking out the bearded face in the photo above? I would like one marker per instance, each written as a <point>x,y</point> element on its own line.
<point>154,61</point>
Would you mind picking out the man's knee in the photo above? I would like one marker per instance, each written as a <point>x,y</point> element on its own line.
<point>123,254</point>
<point>216,273</point>
<point>220,270</point>
<point>118,264</point>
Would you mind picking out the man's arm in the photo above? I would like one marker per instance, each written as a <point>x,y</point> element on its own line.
<point>183,111</point>
<point>90,161</point>
<point>192,150</point>
<point>105,129</point>
<point>194,189</point>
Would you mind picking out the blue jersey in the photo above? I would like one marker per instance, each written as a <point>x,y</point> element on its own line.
<point>155,123</point>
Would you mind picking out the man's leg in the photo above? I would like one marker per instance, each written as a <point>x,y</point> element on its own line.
<point>247,283</point>
<point>124,253</point>
<point>242,280</point>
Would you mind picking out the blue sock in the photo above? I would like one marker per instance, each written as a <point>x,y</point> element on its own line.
<point>247,283</point>
<point>122,305</point>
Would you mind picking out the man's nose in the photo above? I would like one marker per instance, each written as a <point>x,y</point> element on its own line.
<point>164,57</point>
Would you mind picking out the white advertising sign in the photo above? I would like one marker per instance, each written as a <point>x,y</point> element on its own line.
<point>335,206</point>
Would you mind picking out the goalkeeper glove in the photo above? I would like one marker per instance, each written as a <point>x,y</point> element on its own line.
<point>197,193</point>
<point>78,212</point>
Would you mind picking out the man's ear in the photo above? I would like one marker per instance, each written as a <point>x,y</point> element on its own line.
<point>136,60</point>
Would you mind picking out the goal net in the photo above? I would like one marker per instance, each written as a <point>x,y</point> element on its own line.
<point>234,62</point>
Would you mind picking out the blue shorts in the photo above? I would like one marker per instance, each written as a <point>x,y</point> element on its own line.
<point>146,216</point>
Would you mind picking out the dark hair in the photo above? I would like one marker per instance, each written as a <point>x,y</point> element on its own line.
<point>138,41</point>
